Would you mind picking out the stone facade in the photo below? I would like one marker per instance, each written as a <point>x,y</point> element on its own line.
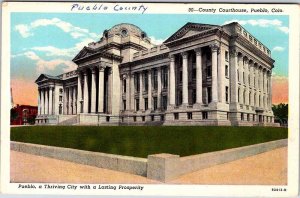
<point>201,75</point>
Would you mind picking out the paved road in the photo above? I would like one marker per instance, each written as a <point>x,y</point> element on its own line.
<point>266,168</point>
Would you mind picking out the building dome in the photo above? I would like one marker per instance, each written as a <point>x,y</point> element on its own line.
<point>125,29</point>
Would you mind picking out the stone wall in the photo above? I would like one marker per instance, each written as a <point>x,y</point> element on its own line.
<point>162,167</point>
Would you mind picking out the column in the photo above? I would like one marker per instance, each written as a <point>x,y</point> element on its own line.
<point>247,102</point>
<point>46,102</point>
<point>214,49</point>
<point>39,101</point>
<point>221,76</point>
<point>261,89</point>
<point>159,88</point>
<point>172,81</point>
<point>79,93</point>
<point>233,77</point>
<point>70,100</point>
<point>141,92</point>
<point>198,76</point>
<point>42,102</point>
<point>51,100</point>
<point>184,78</point>
<point>93,92</point>
<point>85,93</point>
<point>257,85</point>
<point>65,101</point>
<point>74,101</point>
<point>101,90</point>
<point>270,91</point>
<point>126,76</point>
<point>132,92</point>
<point>149,90</point>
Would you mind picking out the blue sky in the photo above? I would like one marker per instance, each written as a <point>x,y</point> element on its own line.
<point>47,42</point>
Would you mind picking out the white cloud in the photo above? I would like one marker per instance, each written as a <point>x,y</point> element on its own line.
<point>156,41</point>
<point>44,65</point>
<point>262,23</point>
<point>26,30</point>
<point>65,52</point>
<point>278,49</point>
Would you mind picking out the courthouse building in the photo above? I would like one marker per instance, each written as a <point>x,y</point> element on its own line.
<point>201,75</point>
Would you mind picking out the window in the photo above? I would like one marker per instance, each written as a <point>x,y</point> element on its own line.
<point>134,118</point>
<point>60,90</point>
<point>244,97</point>
<point>179,97</point>
<point>194,96</point>
<point>204,115</point>
<point>143,118</point>
<point>226,56</point>
<point>244,77</point>
<point>238,95</point>
<point>60,109</point>
<point>155,79</point>
<point>124,86</point>
<point>254,81</point>
<point>152,117</point>
<point>190,115</point>
<point>176,116</point>
<point>180,76</point>
<point>137,82</point>
<point>250,99</point>
<point>248,79</point>
<point>162,118</point>
<point>164,102</point>
<point>137,104</point>
<point>242,116</point>
<point>146,103</point>
<point>226,94</point>
<point>146,81</point>
<point>226,71</point>
<point>254,99</point>
<point>107,118</point>
<point>194,73</point>
<point>208,94</point>
<point>208,71</point>
<point>165,78</point>
<point>155,103</point>
<point>124,104</point>
<point>253,117</point>
<point>60,98</point>
<point>238,75</point>
<point>248,117</point>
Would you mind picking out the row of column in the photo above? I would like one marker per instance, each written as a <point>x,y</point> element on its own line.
<point>83,94</point>
<point>70,100</point>
<point>215,83</point>
<point>255,77</point>
<point>130,94</point>
<point>45,101</point>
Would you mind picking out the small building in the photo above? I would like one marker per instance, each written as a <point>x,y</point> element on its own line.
<point>23,115</point>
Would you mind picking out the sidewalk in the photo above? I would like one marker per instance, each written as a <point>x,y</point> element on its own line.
<point>266,168</point>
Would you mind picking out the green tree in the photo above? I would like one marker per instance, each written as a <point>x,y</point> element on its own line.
<point>13,114</point>
<point>281,112</point>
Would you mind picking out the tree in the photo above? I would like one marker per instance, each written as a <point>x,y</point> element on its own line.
<point>281,112</point>
<point>13,114</point>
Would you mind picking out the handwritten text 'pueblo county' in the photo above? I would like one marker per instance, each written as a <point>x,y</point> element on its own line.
<point>102,7</point>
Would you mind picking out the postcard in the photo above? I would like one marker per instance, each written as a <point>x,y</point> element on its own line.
<point>102,98</point>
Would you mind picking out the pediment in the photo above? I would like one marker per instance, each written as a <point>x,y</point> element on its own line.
<point>85,52</point>
<point>188,30</point>
<point>45,77</point>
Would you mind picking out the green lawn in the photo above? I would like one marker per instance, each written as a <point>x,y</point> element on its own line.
<point>140,141</point>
